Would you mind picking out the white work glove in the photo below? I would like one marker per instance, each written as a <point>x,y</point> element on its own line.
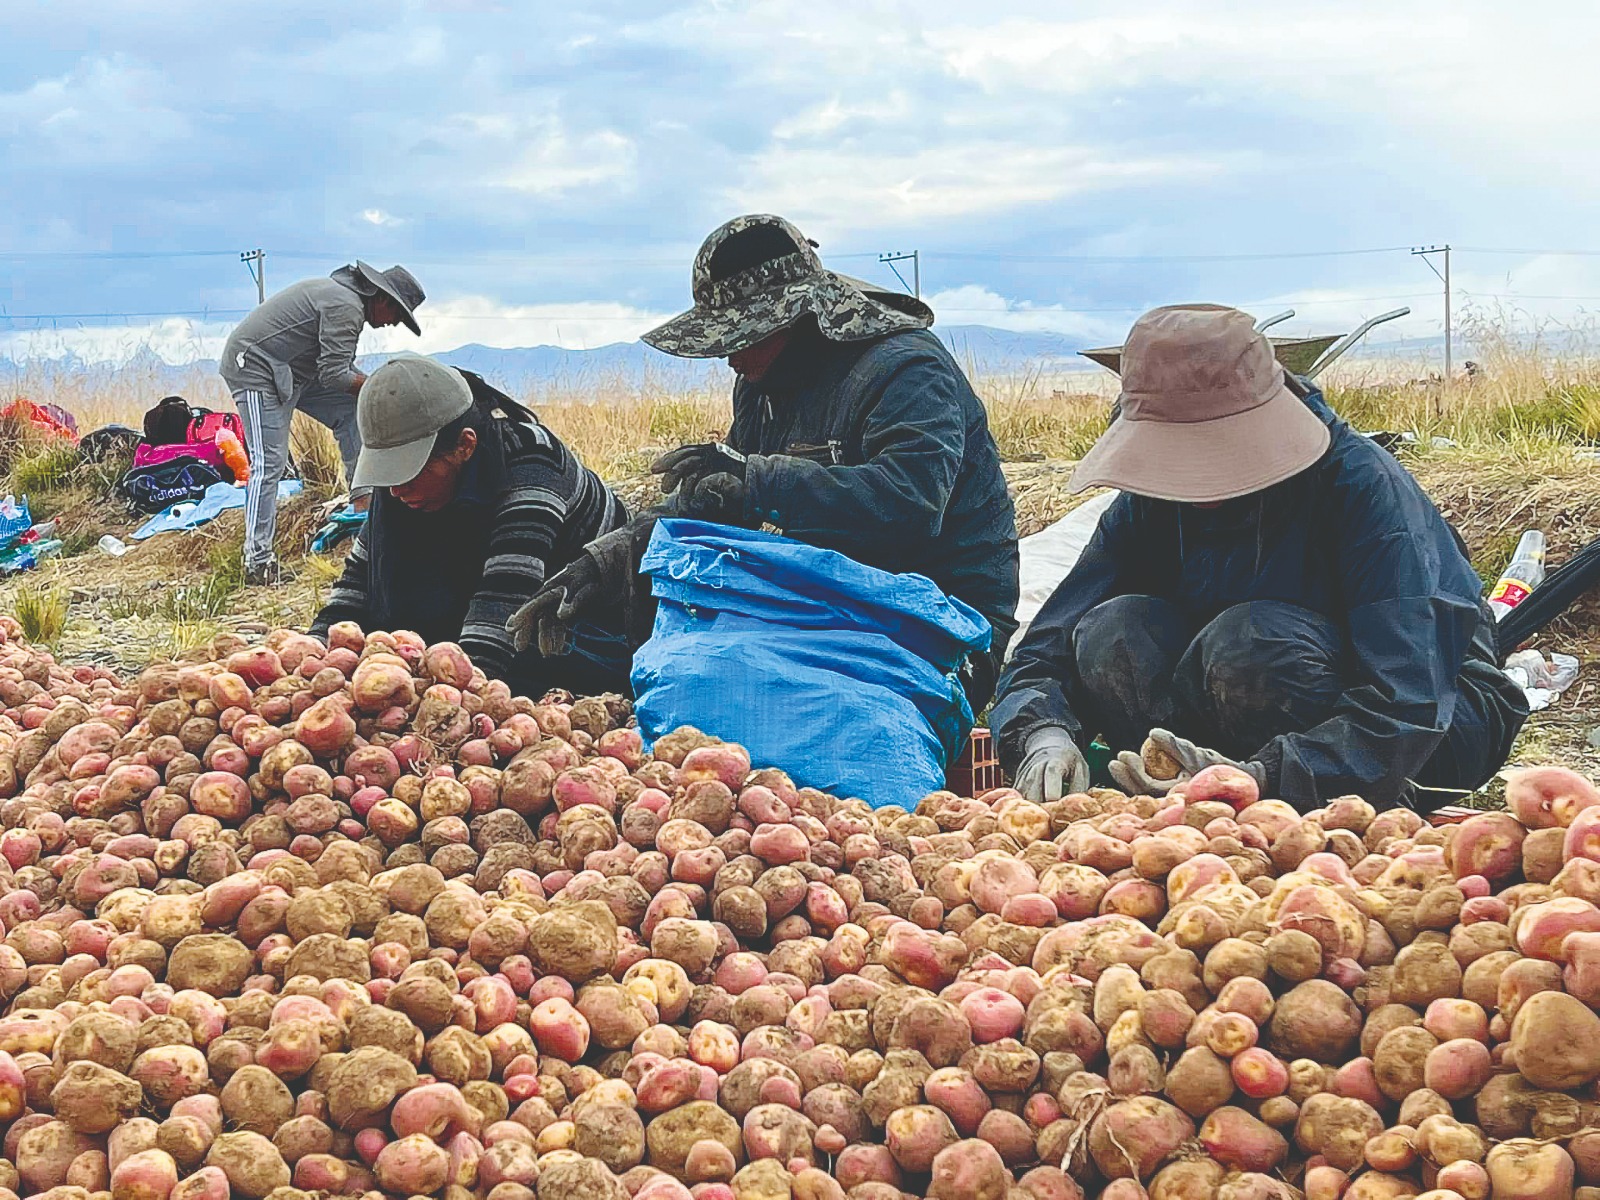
<point>1132,776</point>
<point>1052,766</point>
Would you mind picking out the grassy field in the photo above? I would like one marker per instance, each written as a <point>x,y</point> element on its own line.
<point>1518,447</point>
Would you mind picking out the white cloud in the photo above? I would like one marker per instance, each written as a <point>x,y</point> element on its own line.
<point>103,112</point>
<point>974,305</point>
<point>174,340</point>
<point>540,154</point>
<point>376,216</point>
<point>446,325</point>
<point>461,320</point>
<point>858,186</point>
<point>1461,74</point>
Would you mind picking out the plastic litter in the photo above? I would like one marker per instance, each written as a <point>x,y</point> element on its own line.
<point>25,555</point>
<point>1541,679</point>
<point>15,519</point>
<point>1524,573</point>
<point>113,545</point>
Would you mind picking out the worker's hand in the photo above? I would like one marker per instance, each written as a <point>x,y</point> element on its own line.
<point>549,614</point>
<point>356,382</point>
<point>1128,772</point>
<point>1133,777</point>
<point>720,498</point>
<point>1052,766</point>
<point>601,571</point>
<point>685,467</point>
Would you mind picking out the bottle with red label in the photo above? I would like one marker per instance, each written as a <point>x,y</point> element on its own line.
<point>1525,573</point>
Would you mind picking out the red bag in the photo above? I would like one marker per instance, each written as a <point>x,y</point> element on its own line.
<point>45,417</point>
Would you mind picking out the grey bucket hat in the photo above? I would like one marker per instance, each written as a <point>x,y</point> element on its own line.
<point>401,408</point>
<point>400,285</point>
<point>733,313</point>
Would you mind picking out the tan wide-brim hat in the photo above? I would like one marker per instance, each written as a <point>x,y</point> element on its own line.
<point>1207,414</point>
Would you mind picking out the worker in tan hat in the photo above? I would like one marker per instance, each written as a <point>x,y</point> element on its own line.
<point>1271,590</point>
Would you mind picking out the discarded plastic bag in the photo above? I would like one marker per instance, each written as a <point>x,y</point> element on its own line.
<point>1542,680</point>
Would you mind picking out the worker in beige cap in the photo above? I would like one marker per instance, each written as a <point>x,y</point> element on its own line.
<point>476,503</point>
<point>1270,589</point>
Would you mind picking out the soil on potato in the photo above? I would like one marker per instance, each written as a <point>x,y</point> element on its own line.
<point>153,604</point>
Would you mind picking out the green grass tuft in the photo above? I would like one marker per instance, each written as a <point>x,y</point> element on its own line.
<point>42,613</point>
<point>47,470</point>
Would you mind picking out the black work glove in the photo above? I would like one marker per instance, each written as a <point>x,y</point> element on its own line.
<point>683,469</point>
<point>603,571</point>
<point>1131,775</point>
<point>720,498</point>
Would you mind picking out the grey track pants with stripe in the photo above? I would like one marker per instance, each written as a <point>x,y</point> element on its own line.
<point>266,433</point>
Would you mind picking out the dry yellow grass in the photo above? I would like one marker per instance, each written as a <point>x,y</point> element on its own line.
<point>1523,403</point>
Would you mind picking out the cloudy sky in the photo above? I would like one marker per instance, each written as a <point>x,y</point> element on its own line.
<point>547,169</point>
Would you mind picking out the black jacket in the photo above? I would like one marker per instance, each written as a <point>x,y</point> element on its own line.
<point>1353,538</point>
<point>881,450</point>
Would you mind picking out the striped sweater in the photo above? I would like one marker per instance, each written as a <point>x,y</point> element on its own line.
<point>457,575</point>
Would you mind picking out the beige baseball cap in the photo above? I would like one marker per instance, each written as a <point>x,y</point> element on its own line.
<point>401,408</point>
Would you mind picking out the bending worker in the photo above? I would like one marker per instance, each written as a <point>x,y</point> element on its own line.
<point>476,503</point>
<point>853,430</point>
<point>1271,589</point>
<point>298,351</point>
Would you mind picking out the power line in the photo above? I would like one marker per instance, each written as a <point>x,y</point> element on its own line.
<point>996,256</point>
<point>115,254</point>
<point>1534,253</point>
<point>493,256</point>
<point>114,316</point>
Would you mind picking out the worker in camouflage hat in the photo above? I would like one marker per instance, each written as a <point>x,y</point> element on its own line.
<point>853,430</point>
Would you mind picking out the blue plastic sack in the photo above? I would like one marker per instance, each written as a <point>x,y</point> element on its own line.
<point>840,674</point>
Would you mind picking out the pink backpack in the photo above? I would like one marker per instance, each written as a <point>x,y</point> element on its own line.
<point>205,426</point>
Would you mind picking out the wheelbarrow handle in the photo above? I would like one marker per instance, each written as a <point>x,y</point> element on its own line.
<point>1337,351</point>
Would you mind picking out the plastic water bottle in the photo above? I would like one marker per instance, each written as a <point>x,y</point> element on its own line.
<point>1525,573</point>
<point>113,546</point>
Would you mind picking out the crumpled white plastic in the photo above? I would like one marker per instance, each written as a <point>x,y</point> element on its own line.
<point>1542,680</point>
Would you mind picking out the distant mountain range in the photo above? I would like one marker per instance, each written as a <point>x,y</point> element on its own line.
<point>982,349</point>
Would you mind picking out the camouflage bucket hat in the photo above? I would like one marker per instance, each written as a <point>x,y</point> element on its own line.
<point>733,311</point>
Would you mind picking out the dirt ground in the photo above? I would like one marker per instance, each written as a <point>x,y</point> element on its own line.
<point>153,603</point>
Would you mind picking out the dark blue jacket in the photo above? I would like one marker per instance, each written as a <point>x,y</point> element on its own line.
<point>1354,538</point>
<point>881,451</point>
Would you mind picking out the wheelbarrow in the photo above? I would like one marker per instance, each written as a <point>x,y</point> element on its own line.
<point>1307,357</point>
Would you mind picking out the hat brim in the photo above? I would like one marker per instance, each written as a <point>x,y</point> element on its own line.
<point>1203,462</point>
<point>376,279</point>
<point>847,310</point>
<point>392,466</point>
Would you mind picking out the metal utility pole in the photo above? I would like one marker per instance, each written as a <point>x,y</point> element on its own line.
<point>1423,252</point>
<point>255,262</point>
<point>896,256</point>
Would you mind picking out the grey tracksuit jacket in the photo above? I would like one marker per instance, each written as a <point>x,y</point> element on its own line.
<point>302,336</point>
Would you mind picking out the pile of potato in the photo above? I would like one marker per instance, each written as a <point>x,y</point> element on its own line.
<point>346,918</point>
